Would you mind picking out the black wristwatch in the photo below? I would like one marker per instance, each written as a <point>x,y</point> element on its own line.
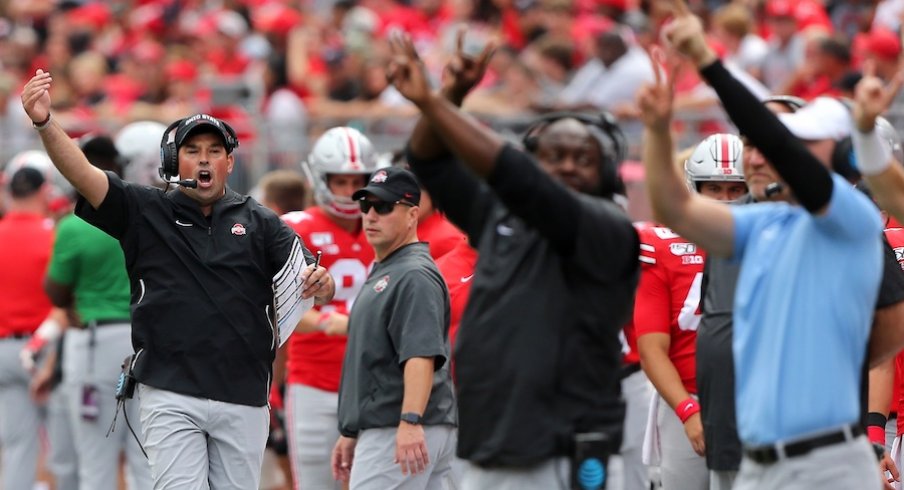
<point>411,418</point>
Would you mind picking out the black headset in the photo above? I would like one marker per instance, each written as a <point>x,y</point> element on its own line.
<point>169,154</point>
<point>604,128</point>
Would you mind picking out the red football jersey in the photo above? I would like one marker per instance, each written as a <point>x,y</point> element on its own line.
<point>895,237</point>
<point>457,268</point>
<point>668,296</point>
<point>629,333</point>
<point>26,240</point>
<point>315,359</point>
<point>440,234</point>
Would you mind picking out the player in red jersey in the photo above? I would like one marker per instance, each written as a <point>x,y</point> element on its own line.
<point>340,163</point>
<point>666,316</point>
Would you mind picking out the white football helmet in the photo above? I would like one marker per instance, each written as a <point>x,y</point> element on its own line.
<point>139,144</point>
<point>718,158</point>
<point>38,160</point>
<point>341,150</point>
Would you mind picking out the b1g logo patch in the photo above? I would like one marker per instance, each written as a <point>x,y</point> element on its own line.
<point>238,229</point>
<point>380,286</point>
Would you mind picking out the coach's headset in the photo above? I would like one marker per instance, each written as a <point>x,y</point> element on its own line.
<point>169,153</point>
<point>604,128</point>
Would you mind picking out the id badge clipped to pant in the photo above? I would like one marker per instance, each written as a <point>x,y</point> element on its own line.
<point>90,406</point>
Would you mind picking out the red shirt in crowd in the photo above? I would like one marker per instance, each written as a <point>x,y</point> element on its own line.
<point>26,240</point>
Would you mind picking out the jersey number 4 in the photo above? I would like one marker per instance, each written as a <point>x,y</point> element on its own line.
<point>689,316</point>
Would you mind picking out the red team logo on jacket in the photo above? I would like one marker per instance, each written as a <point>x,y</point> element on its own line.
<point>238,229</point>
<point>380,286</point>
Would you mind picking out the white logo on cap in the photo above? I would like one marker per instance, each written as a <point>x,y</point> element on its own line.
<point>379,177</point>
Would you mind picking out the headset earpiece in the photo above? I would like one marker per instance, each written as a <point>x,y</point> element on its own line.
<point>169,155</point>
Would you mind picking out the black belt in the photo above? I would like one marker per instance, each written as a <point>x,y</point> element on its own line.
<point>16,336</point>
<point>101,323</point>
<point>774,453</point>
<point>628,370</point>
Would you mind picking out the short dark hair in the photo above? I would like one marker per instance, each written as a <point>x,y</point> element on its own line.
<point>26,182</point>
<point>285,190</point>
<point>101,152</point>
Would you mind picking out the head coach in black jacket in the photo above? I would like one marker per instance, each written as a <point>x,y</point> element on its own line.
<point>537,356</point>
<point>204,263</point>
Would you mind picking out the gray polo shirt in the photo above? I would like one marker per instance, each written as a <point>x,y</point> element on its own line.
<point>401,312</point>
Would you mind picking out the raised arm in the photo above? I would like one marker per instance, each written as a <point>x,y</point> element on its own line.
<point>809,179</point>
<point>705,222</point>
<point>87,179</point>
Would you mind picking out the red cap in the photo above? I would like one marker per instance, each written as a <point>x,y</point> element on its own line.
<point>94,15</point>
<point>181,70</point>
<point>276,19</point>
<point>780,8</point>
<point>884,44</point>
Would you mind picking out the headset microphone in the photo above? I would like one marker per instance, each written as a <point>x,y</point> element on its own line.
<point>773,189</point>
<point>190,183</point>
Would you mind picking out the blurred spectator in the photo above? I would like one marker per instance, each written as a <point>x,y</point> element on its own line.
<point>828,60</point>
<point>786,47</point>
<point>283,191</point>
<point>513,96</point>
<point>285,113</point>
<point>733,27</point>
<point>883,49</point>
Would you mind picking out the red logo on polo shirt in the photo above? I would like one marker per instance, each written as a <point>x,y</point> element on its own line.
<point>381,284</point>
<point>238,229</point>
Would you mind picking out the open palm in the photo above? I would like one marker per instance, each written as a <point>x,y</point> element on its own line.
<point>36,96</point>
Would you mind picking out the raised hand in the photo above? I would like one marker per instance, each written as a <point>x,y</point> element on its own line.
<point>406,71</point>
<point>872,97</point>
<point>464,72</point>
<point>685,34</point>
<point>655,100</point>
<point>36,96</point>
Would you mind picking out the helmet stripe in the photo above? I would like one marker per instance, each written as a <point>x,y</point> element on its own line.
<point>725,150</point>
<point>352,154</point>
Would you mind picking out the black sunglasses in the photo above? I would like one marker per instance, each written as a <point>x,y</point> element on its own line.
<point>381,207</point>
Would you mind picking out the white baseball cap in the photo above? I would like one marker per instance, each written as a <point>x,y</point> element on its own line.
<point>824,118</point>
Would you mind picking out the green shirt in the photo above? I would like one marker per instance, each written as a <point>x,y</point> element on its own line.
<point>92,264</point>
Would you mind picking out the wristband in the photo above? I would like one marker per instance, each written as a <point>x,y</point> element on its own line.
<point>871,152</point>
<point>875,427</point>
<point>686,409</point>
<point>40,126</point>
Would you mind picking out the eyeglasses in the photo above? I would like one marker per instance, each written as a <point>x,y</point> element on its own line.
<point>381,207</point>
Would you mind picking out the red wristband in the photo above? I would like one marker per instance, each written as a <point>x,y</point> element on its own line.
<point>685,409</point>
<point>876,434</point>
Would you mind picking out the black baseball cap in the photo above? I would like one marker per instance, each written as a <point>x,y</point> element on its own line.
<point>25,182</point>
<point>201,122</point>
<point>392,184</point>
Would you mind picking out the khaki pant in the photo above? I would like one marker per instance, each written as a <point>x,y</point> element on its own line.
<point>374,468</point>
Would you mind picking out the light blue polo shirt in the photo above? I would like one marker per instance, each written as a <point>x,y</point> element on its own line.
<point>803,310</point>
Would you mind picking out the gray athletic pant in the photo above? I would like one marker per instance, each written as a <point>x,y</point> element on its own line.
<point>62,460</point>
<point>552,474</point>
<point>20,420</point>
<point>99,455</point>
<point>627,470</point>
<point>312,424</point>
<point>374,467</point>
<point>845,466</point>
<point>681,467</point>
<point>722,480</point>
<point>196,443</point>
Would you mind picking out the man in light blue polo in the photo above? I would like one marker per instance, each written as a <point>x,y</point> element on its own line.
<point>809,280</point>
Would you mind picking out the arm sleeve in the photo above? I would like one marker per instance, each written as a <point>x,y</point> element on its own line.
<point>536,198</point>
<point>460,194</point>
<point>114,215</point>
<point>64,264</point>
<point>810,181</point>
<point>653,300</point>
<point>420,318</point>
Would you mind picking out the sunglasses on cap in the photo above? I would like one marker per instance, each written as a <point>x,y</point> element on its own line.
<point>381,207</point>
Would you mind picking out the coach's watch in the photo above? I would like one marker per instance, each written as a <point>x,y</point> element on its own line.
<point>411,418</point>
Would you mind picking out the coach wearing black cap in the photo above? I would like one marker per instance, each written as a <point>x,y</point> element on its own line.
<point>203,263</point>
<point>395,397</point>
